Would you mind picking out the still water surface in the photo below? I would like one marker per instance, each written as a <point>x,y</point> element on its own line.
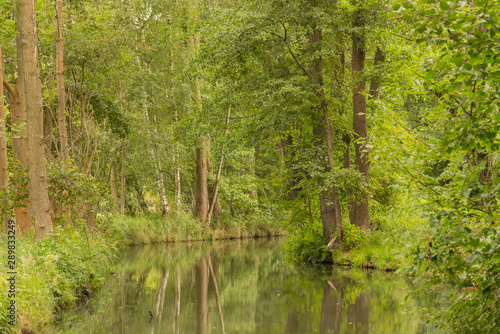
<point>243,287</point>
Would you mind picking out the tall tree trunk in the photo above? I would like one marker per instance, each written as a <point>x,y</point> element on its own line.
<point>61,97</point>
<point>219,169</point>
<point>253,186</point>
<point>201,181</point>
<point>285,143</point>
<point>173,106</point>
<point>4,173</point>
<point>211,185</point>
<point>361,213</point>
<point>19,139</point>
<point>165,208</point>
<point>140,196</point>
<point>34,109</point>
<point>122,187</point>
<point>114,194</point>
<point>331,214</point>
<point>376,85</point>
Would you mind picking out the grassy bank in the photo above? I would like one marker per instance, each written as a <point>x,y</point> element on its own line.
<point>53,274</point>
<point>56,273</point>
<point>184,227</point>
<point>386,246</point>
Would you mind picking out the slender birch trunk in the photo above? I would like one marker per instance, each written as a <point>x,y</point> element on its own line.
<point>177,171</point>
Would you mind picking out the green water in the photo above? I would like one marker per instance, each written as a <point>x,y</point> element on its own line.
<point>243,287</point>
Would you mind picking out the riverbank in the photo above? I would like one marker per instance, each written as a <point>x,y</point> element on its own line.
<point>388,245</point>
<point>56,273</point>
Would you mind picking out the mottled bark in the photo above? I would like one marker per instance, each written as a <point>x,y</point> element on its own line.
<point>37,172</point>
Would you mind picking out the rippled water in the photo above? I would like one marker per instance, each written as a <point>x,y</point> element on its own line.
<point>243,287</point>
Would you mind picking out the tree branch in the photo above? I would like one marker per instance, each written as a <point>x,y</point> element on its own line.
<point>292,54</point>
<point>10,90</point>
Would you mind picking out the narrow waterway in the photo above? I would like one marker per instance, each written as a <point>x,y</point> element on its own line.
<point>244,286</point>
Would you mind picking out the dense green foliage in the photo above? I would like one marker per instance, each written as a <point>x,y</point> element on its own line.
<point>269,85</point>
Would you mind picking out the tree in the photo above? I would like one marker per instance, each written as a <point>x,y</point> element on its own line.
<point>39,195</point>
<point>331,213</point>
<point>61,92</point>
<point>22,204</point>
<point>360,206</point>
<point>201,181</point>
<point>4,173</point>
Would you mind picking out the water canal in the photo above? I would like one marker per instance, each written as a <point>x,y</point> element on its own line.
<point>243,286</point>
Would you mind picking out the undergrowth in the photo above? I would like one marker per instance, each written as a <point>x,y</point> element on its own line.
<point>185,227</point>
<point>53,274</point>
<point>386,245</point>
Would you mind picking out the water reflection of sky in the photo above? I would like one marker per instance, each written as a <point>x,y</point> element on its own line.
<point>242,287</point>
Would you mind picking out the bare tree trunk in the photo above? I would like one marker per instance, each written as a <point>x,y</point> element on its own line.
<point>360,208</point>
<point>19,144</point>
<point>165,208</point>
<point>331,214</point>
<point>61,98</point>
<point>34,109</point>
<point>201,181</point>
<point>140,195</point>
<point>286,142</point>
<point>122,187</point>
<point>4,173</point>
<point>219,169</point>
<point>173,105</point>
<point>114,195</point>
<point>253,186</point>
<point>376,85</point>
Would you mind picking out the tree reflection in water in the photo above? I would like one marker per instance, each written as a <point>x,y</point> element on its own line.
<point>243,287</point>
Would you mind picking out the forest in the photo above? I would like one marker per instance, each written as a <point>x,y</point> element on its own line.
<point>363,132</point>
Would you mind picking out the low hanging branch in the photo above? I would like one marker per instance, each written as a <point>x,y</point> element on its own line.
<point>217,177</point>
